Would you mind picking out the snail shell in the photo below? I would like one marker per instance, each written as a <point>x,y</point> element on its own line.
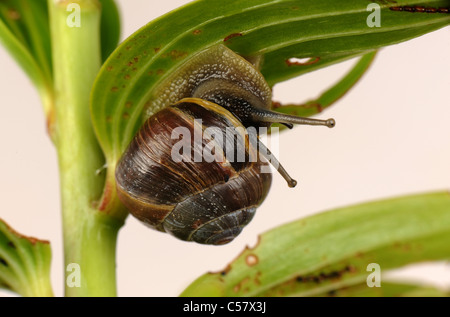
<point>205,202</point>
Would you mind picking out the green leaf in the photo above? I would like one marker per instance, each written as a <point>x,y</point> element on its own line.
<point>24,263</point>
<point>25,33</point>
<point>109,27</point>
<point>388,289</point>
<point>331,95</point>
<point>332,250</point>
<point>28,22</point>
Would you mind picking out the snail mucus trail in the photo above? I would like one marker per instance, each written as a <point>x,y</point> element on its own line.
<point>205,202</point>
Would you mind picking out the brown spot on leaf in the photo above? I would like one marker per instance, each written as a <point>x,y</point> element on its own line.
<point>128,104</point>
<point>332,293</point>
<point>174,54</point>
<point>160,71</point>
<point>3,262</point>
<point>232,35</point>
<point>324,276</point>
<point>251,260</point>
<point>246,249</point>
<point>11,245</point>
<point>197,32</point>
<point>318,106</point>
<point>13,14</point>
<point>241,284</point>
<point>335,274</point>
<point>114,89</point>
<point>109,68</point>
<point>127,76</point>
<point>350,269</point>
<point>226,271</point>
<point>430,10</point>
<point>136,59</point>
<point>157,49</point>
<point>126,115</point>
<point>419,9</point>
<point>257,280</point>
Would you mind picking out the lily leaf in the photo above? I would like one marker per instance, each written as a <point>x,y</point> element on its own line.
<point>24,263</point>
<point>28,22</point>
<point>25,33</point>
<point>388,289</point>
<point>332,250</point>
<point>109,27</point>
<point>324,32</point>
<point>331,95</point>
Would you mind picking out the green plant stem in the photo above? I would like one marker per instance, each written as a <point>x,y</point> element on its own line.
<point>89,235</point>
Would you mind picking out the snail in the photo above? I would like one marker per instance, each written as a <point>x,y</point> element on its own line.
<point>206,201</point>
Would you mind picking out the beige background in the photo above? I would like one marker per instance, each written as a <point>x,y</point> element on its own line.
<point>391,138</point>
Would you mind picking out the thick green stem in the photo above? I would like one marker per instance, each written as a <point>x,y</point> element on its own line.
<point>89,235</point>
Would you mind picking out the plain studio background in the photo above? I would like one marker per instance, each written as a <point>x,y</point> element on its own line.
<point>391,139</point>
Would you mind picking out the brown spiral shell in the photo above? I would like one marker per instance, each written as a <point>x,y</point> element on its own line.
<point>205,202</point>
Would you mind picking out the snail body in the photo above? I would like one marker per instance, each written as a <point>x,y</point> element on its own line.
<point>208,201</point>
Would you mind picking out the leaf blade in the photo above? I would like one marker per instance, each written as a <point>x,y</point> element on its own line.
<point>24,263</point>
<point>109,27</point>
<point>336,246</point>
<point>388,289</point>
<point>332,94</point>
